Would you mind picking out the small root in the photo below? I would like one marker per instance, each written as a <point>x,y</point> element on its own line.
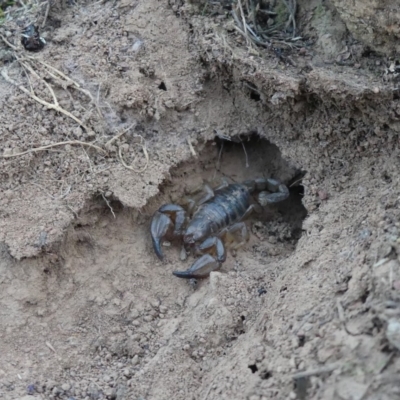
<point>146,154</point>
<point>191,148</point>
<point>54,106</point>
<point>42,148</point>
<point>113,139</point>
<point>108,205</point>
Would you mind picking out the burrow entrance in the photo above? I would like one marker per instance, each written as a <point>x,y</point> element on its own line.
<point>235,160</point>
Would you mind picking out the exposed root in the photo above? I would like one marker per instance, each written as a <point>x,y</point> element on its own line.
<point>42,148</point>
<point>63,80</point>
<point>108,205</point>
<point>69,81</point>
<point>113,139</point>
<point>146,154</point>
<point>46,13</point>
<point>194,154</point>
<point>54,106</point>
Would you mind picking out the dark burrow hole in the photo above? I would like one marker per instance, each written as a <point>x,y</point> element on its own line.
<point>253,368</point>
<point>255,96</point>
<point>162,86</point>
<point>252,91</point>
<point>265,374</point>
<point>364,296</point>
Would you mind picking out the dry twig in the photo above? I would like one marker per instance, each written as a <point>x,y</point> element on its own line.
<point>49,146</point>
<point>191,148</point>
<point>253,22</point>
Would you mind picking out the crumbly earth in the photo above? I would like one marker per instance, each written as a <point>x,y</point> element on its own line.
<point>156,98</point>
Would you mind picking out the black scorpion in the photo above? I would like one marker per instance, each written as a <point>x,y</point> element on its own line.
<point>217,222</point>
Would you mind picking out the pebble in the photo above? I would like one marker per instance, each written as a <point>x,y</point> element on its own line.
<point>110,393</point>
<point>155,303</point>
<point>127,372</point>
<point>135,360</point>
<point>65,387</point>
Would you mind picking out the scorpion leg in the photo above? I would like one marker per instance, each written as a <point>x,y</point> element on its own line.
<point>224,184</point>
<point>280,192</point>
<point>252,208</point>
<point>169,220</point>
<point>207,263</point>
<point>235,232</point>
<point>208,194</point>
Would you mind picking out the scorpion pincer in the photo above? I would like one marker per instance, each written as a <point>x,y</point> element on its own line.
<point>217,221</point>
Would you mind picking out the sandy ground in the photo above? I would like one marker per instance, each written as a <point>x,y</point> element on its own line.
<point>307,309</point>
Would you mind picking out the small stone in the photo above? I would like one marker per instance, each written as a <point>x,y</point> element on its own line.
<point>78,132</point>
<point>393,333</point>
<point>135,360</point>
<point>134,314</point>
<point>323,195</point>
<point>155,303</point>
<point>110,392</point>
<point>183,254</point>
<point>166,244</point>
<point>65,387</point>
<point>163,309</point>
<point>31,389</point>
<point>230,301</point>
<point>127,373</point>
<point>124,147</point>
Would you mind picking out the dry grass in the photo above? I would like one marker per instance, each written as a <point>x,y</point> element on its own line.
<point>266,25</point>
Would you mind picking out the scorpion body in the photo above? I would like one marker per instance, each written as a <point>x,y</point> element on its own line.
<point>227,207</point>
<point>218,219</point>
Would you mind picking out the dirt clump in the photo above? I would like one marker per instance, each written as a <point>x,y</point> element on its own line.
<point>130,105</point>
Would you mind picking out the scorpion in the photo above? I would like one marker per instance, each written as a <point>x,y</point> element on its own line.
<point>217,220</point>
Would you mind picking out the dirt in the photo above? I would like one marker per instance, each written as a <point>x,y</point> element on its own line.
<point>169,96</point>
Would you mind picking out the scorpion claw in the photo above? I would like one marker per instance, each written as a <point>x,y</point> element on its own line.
<point>160,225</point>
<point>200,269</point>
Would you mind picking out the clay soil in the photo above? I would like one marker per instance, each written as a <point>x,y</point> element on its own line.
<point>160,97</point>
